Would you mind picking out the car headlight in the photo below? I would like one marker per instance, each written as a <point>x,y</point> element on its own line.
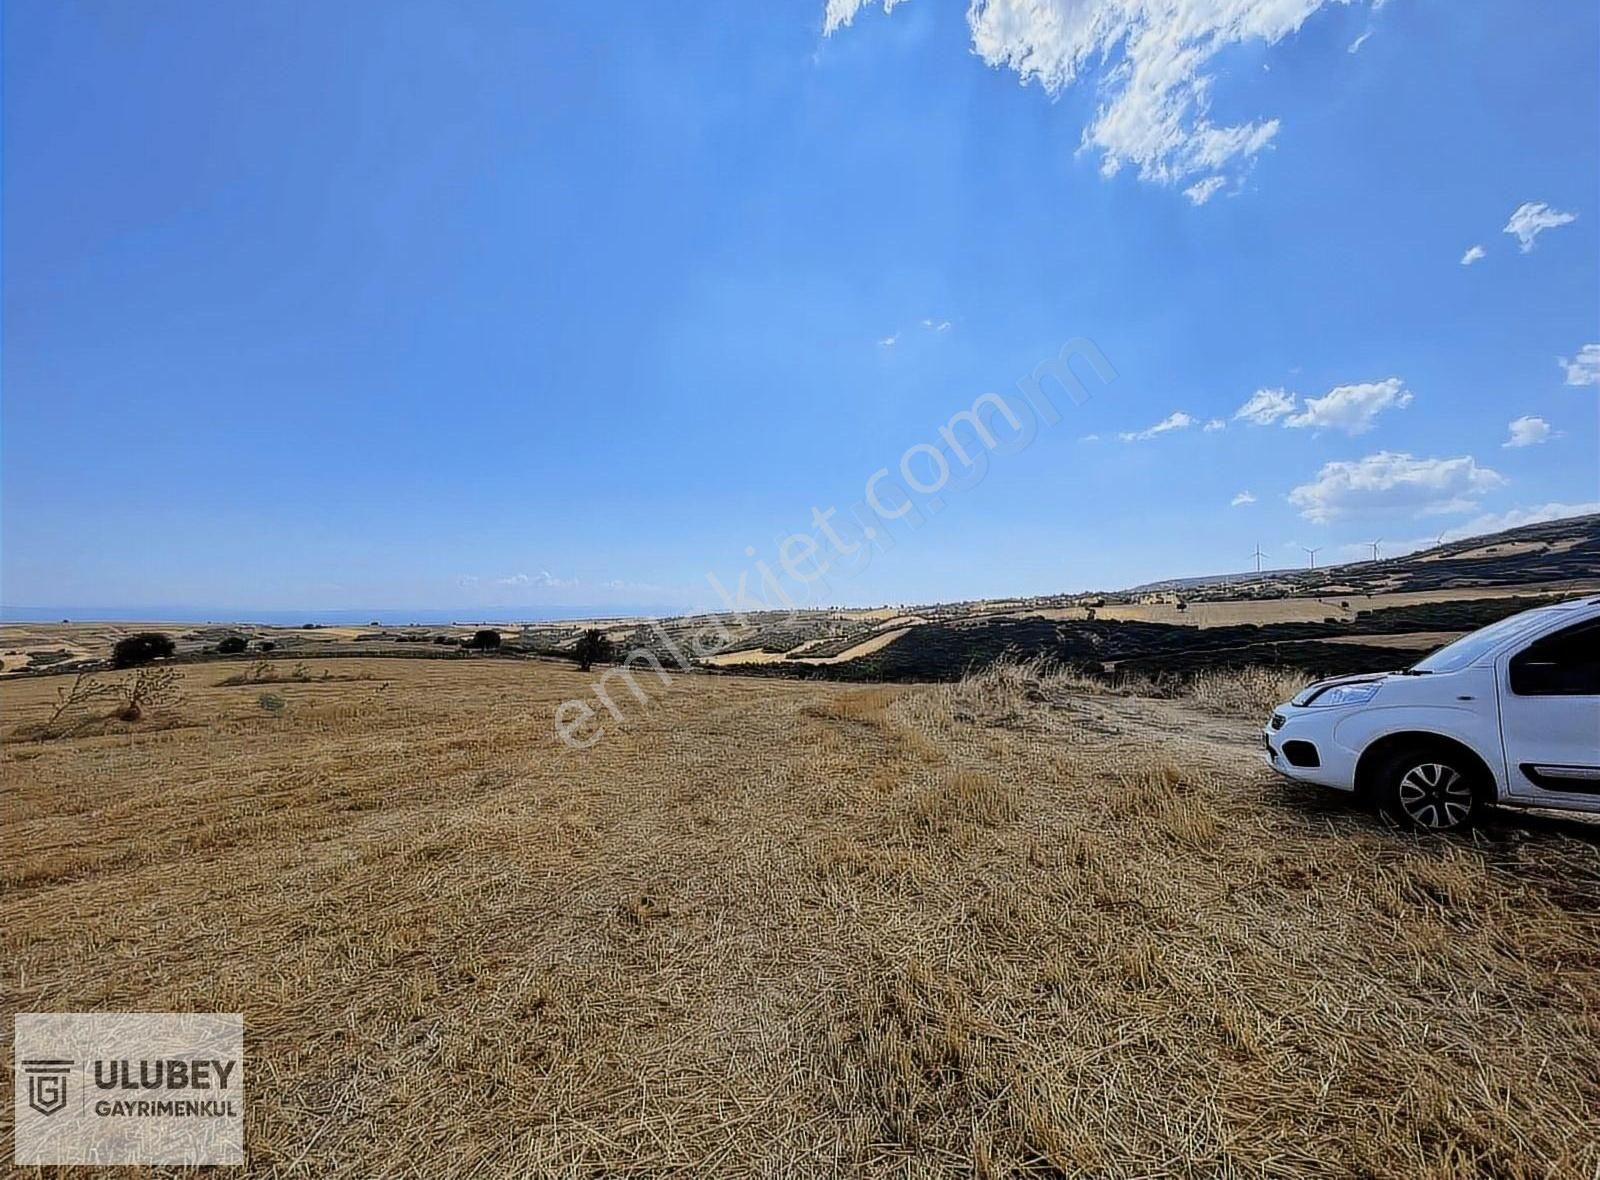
<point>1344,694</point>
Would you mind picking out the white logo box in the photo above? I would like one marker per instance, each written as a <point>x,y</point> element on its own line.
<point>129,1088</point>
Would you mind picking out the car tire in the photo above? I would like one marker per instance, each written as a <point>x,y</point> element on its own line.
<point>1428,788</point>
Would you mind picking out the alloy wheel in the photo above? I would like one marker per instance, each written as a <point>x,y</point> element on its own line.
<point>1434,795</point>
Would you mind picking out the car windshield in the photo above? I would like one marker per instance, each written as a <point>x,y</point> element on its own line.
<point>1466,650</point>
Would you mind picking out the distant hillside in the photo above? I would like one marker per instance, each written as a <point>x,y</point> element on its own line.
<point>1553,551</point>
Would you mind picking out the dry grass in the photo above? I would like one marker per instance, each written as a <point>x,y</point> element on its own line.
<point>1000,928</point>
<point>1245,692</point>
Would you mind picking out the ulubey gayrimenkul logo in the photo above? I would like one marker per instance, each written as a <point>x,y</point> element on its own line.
<point>164,1088</point>
<point>47,1083</point>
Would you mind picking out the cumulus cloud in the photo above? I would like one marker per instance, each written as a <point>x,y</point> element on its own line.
<point>1174,421</point>
<point>1351,408</point>
<point>1392,481</point>
<point>1153,66</point>
<point>937,325</point>
<point>1527,431</point>
<point>1498,522</point>
<point>1583,369</point>
<point>1473,254</point>
<point>890,341</point>
<point>1532,218</point>
<point>1355,46</point>
<point>1214,425</point>
<point>1265,407</point>
<point>1242,499</point>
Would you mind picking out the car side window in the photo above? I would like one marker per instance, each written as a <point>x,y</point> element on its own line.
<point>1564,664</point>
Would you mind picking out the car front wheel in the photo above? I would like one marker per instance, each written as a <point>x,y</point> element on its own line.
<point>1429,789</point>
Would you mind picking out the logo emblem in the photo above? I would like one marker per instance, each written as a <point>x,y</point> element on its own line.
<point>47,1083</point>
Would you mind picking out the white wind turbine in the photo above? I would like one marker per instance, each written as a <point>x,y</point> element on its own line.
<point>1258,555</point>
<point>1313,555</point>
<point>1375,545</point>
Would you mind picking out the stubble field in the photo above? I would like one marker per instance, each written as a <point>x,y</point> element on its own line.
<point>1005,926</point>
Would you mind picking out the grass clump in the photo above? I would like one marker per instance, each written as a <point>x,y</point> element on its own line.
<point>1252,691</point>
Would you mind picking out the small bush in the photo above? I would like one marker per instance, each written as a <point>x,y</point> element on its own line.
<point>232,645</point>
<point>593,648</point>
<point>141,649</point>
<point>150,688</point>
<point>484,640</point>
<point>266,645</point>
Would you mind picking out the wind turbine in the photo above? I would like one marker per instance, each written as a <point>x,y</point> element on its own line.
<point>1375,545</point>
<point>1313,553</point>
<point>1258,555</point>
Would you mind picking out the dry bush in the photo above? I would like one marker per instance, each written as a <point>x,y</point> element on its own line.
<point>1006,693</point>
<point>156,689</point>
<point>150,688</point>
<point>268,672</point>
<point>259,672</point>
<point>74,699</point>
<point>1251,692</point>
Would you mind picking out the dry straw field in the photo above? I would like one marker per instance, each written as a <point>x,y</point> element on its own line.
<point>1006,926</point>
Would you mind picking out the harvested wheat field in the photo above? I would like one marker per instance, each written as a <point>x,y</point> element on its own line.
<point>1000,927</point>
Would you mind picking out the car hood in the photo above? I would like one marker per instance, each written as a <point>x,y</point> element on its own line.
<point>1312,689</point>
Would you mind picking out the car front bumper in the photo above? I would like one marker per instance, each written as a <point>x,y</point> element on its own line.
<point>1335,767</point>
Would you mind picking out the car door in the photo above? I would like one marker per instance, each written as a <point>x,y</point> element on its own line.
<point>1550,717</point>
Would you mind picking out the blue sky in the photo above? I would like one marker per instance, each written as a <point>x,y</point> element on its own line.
<point>524,308</point>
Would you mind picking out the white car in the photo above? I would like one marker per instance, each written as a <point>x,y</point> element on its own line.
<point>1509,714</point>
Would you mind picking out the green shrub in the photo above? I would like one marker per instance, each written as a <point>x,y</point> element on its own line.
<point>593,648</point>
<point>141,649</point>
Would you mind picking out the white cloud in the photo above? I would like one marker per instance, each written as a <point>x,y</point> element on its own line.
<point>1202,191</point>
<point>1394,482</point>
<point>542,578</point>
<point>840,13</point>
<point>1242,499</point>
<point>937,325</point>
<point>1355,46</point>
<point>1265,407</point>
<point>1532,218</point>
<point>1527,431</point>
<point>1090,438</point>
<point>1351,408</point>
<point>890,341</point>
<point>1214,425</point>
<point>1473,254</point>
<point>1174,421</point>
<point>1152,63</point>
<point>1498,522</point>
<point>1583,369</point>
